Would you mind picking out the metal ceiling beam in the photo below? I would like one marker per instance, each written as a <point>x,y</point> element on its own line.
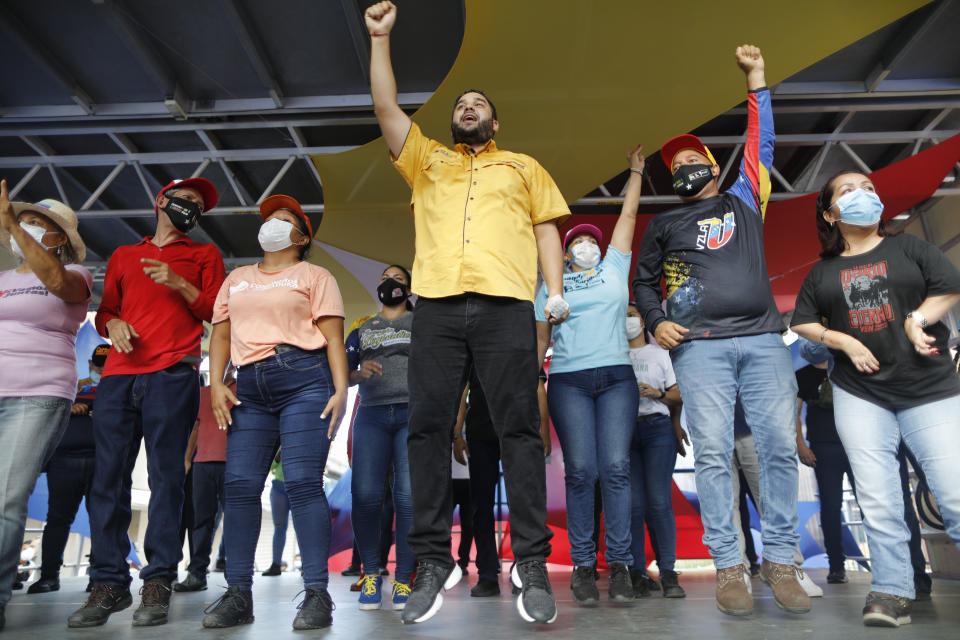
<point>253,47</point>
<point>169,157</point>
<point>42,55</point>
<point>856,88</point>
<point>132,36</point>
<point>895,51</point>
<point>774,197</point>
<point>358,34</point>
<point>226,107</point>
<point>276,179</point>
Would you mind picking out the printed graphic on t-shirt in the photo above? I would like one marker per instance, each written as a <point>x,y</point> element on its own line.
<point>37,290</point>
<point>714,232</point>
<point>376,338</point>
<point>243,285</point>
<point>583,279</point>
<point>868,297</point>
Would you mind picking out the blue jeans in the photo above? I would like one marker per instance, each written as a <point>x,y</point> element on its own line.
<point>282,397</point>
<point>653,454</point>
<point>871,437</point>
<point>710,374</point>
<point>379,439</point>
<point>160,407</point>
<point>30,429</point>
<point>280,509</point>
<point>594,412</point>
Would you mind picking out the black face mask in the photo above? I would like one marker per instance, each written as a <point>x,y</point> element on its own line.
<point>392,292</point>
<point>183,213</point>
<point>690,179</point>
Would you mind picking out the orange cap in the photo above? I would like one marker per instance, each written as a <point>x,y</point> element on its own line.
<point>279,201</point>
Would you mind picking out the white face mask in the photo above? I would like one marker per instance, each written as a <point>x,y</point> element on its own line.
<point>36,232</point>
<point>275,235</point>
<point>634,327</point>
<point>586,255</point>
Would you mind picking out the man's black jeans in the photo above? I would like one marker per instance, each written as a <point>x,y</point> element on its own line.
<point>496,336</point>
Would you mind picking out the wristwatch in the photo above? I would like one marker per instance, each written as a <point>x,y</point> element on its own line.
<point>663,394</point>
<point>918,318</point>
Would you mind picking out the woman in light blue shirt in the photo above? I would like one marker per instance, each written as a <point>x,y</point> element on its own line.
<point>592,393</point>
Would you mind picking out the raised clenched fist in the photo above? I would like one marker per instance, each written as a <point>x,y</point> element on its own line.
<point>380,18</point>
<point>749,58</point>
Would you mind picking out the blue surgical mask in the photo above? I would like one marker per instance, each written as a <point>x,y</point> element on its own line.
<point>95,377</point>
<point>859,208</point>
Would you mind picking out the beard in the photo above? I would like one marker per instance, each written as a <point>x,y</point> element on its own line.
<point>480,134</point>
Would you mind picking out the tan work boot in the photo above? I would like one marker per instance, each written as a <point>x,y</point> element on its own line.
<point>787,591</point>
<point>732,595</point>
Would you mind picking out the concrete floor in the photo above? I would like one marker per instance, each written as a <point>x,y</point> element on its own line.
<point>837,615</point>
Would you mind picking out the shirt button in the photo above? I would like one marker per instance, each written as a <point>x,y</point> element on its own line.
<point>469,218</point>
<point>468,240</point>
<point>474,182</point>
<point>471,197</point>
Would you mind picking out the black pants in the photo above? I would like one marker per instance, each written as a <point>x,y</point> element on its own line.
<point>484,464</point>
<point>207,509</point>
<point>497,337</point>
<point>461,499</point>
<point>68,481</point>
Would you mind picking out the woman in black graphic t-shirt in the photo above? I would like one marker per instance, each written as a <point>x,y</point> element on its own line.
<point>876,301</point>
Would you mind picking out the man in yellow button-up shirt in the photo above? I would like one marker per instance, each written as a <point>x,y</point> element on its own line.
<point>482,217</point>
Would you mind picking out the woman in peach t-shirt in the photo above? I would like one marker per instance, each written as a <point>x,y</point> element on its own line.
<point>281,322</point>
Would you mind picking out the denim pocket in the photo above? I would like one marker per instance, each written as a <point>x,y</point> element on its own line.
<point>304,361</point>
<point>47,403</point>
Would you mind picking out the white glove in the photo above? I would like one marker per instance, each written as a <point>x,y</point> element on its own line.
<point>557,307</point>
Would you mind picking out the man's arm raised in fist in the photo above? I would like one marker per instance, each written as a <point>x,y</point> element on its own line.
<point>394,123</point>
<point>750,61</point>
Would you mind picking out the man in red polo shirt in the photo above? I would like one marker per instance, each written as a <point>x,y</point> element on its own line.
<point>156,295</point>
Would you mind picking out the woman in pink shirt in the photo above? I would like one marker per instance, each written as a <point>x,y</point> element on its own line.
<point>43,302</point>
<point>280,322</point>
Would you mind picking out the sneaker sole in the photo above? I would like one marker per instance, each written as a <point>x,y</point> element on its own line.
<point>880,620</point>
<point>150,623</point>
<point>227,626</point>
<point>735,612</point>
<point>515,579</point>
<point>368,606</point>
<point>452,579</point>
<point>623,599</point>
<point>399,606</point>
<point>304,626</point>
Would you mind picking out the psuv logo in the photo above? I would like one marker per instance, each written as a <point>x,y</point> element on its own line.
<point>714,232</point>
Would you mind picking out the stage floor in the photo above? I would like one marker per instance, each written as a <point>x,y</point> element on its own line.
<point>835,615</point>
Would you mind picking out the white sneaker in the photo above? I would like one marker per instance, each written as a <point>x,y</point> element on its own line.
<point>812,588</point>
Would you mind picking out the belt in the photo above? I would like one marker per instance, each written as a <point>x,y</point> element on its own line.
<point>285,348</point>
<point>651,416</point>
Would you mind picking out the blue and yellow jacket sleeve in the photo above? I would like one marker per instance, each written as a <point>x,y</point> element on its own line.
<point>753,183</point>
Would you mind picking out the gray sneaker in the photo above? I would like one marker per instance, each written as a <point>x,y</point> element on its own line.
<point>536,602</point>
<point>425,598</point>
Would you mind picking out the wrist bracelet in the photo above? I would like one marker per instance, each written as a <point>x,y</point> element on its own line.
<point>638,171</point>
<point>457,436</point>
<point>663,394</point>
<point>823,334</point>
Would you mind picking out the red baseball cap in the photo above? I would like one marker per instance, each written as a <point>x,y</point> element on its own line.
<point>580,229</point>
<point>207,191</point>
<point>279,201</point>
<point>673,146</point>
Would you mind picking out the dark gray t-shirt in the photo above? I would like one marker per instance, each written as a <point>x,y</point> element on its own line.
<point>388,343</point>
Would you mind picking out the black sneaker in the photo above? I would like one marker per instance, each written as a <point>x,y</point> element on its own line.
<point>89,586</point>
<point>621,587</point>
<point>885,610</point>
<point>191,583</point>
<point>485,589</point>
<point>154,603</point>
<point>837,577</point>
<point>754,570</point>
<point>220,566</point>
<point>351,571</point>
<point>652,584</point>
<point>316,610</point>
<point>671,585</point>
<point>583,584</point>
<point>44,585</point>
<point>425,599</point>
<point>274,570</point>
<point>641,587</point>
<point>234,607</point>
<point>536,602</point>
<point>104,599</point>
